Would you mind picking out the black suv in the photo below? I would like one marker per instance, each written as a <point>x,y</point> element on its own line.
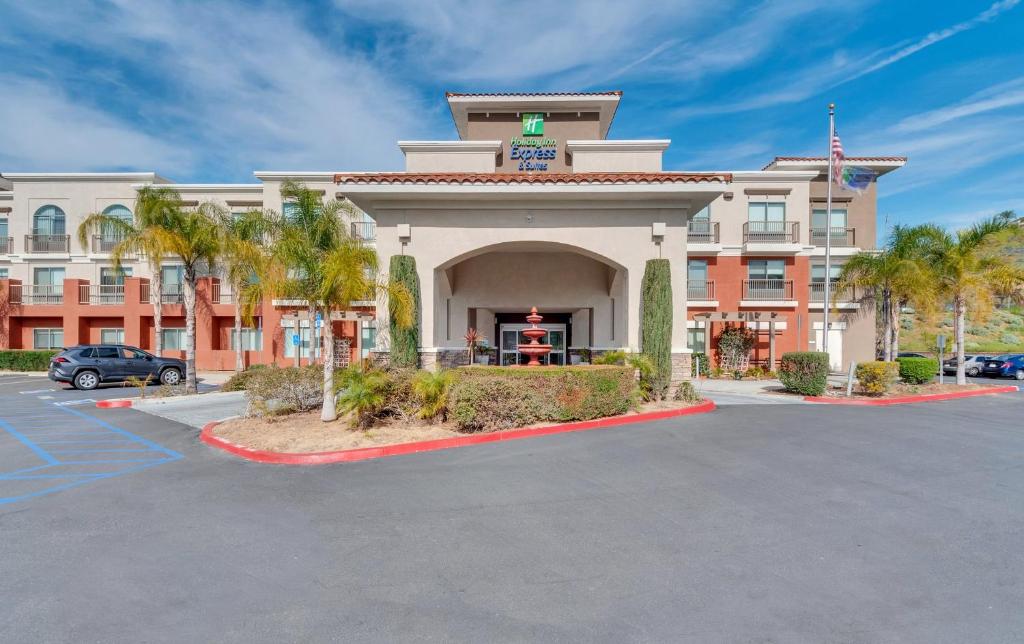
<point>87,365</point>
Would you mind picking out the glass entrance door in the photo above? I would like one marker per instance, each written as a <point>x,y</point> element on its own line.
<point>512,335</point>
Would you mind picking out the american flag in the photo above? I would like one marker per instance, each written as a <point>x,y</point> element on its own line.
<point>837,159</point>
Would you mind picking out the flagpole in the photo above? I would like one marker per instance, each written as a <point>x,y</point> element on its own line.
<point>828,225</point>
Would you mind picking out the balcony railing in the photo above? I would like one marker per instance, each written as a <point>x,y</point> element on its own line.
<point>702,231</point>
<point>101,293</point>
<point>6,245</point>
<point>840,236</point>
<point>218,296</point>
<point>144,293</point>
<point>37,294</point>
<point>700,290</point>
<point>48,243</point>
<point>172,293</point>
<point>767,289</point>
<point>771,232</point>
<point>817,293</point>
<point>364,230</point>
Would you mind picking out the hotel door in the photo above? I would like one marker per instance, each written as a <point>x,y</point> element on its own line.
<point>511,335</point>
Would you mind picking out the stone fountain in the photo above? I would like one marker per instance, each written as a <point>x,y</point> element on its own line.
<point>534,349</point>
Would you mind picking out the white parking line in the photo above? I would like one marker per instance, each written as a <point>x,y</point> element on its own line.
<point>37,391</point>
<point>44,397</point>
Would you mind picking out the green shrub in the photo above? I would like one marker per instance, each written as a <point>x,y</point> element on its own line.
<point>432,390</point>
<point>611,357</point>
<point>493,398</point>
<point>277,390</point>
<point>240,381</point>
<point>705,364</point>
<point>405,342</point>
<point>687,393</point>
<point>917,371</point>
<point>364,395</point>
<point>656,323</point>
<point>25,360</point>
<point>877,377</point>
<point>804,372</point>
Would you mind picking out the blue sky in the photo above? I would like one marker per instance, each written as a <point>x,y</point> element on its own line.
<point>210,91</point>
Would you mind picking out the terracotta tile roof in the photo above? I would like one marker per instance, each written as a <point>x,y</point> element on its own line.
<point>617,92</point>
<point>849,159</point>
<point>574,178</point>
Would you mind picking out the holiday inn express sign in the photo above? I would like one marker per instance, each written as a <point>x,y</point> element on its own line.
<point>533,153</point>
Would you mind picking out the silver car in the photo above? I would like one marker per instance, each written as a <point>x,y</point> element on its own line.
<point>972,365</point>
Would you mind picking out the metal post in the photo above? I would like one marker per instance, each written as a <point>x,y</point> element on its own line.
<point>298,347</point>
<point>828,225</point>
<point>771,345</point>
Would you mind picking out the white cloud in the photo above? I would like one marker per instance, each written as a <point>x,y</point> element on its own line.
<point>1001,96</point>
<point>45,130</point>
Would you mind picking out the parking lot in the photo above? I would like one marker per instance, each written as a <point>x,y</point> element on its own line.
<point>753,523</point>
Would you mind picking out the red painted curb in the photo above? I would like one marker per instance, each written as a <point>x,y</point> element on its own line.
<point>903,400</point>
<point>364,453</point>
<point>108,404</point>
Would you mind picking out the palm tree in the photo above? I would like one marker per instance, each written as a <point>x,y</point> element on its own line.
<point>193,236</point>
<point>895,276</point>
<point>314,259</point>
<point>971,269</point>
<point>155,208</point>
<point>242,253</point>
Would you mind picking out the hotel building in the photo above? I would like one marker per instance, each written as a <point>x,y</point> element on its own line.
<point>532,205</point>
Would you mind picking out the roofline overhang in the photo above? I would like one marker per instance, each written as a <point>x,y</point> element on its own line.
<point>450,146</point>
<point>623,145</point>
<point>281,175</point>
<point>605,104</point>
<point>211,187</point>
<point>881,165</point>
<point>137,177</point>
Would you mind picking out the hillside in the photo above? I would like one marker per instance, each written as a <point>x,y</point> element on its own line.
<point>1002,332</point>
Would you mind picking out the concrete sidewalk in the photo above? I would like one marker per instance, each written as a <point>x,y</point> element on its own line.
<point>197,410</point>
<point>745,392</point>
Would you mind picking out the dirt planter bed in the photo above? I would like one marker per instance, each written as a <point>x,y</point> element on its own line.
<point>948,392</point>
<point>431,438</point>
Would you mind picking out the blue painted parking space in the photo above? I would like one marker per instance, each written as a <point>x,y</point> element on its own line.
<point>48,445</point>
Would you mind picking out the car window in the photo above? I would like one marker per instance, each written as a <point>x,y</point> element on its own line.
<point>87,353</point>
<point>134,354</point>
<point>107,352</point>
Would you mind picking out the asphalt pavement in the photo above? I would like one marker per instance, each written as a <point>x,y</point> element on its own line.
<point>766,523</point>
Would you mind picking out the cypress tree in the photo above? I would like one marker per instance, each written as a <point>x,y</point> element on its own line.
<point>405,343</point>
<point>656,322</point>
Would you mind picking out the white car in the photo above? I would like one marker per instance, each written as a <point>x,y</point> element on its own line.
<point>972,365</point>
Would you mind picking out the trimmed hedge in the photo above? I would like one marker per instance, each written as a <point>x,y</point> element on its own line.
<point>26,360</point>
<point>493,398</point>
<point>405,342</point>
<point>656,323</point>
<point>917,371</point>
<point>876,377</point>
<point>805,372</point>
<point>240,381</point>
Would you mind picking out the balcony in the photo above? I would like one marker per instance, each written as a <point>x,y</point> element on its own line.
<point>41,244</point>
<point>771,232</point>
<point>172,293</point>
<point>702,231</point>
<point>767,290</point>
<point>840,237</point>
<point>365,231</point>
<point>841,300</point>
<point>101,294</point>
<point>6,245</point>
<point>700,291</point>
<point>218,296</point>
<point>37,294</point>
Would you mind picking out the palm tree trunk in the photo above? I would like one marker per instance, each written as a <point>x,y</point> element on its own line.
<point>887,322</point>
<point>312,333</point>
<point>328,412</point>
<point>191,385</point>
<point>959,320</point>
<point>897,307</point>
<point>239,361</point>
<point>155,286</point>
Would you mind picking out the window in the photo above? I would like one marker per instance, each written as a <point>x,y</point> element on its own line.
<point>47,285</point>
<point>5,242</point>
<point>818,272</point>
<point>111,336</point>
<point>47,338</point>
<point>48,276</point>
<point>252,340</point>
<point>764,212</point>
<point>172,278</point>
<point>695,340</point>
<point>818,218</point>
<point>368,340</point>
<point>766,269</point>
<point>289,346</point>
<point>174,339</point>
<point>117,211</point>
<point>135,354</point>
<point>3,273</point>
<point>697,270</point>
<point>704,213</point>
<point>289,209</point>
<point>107,352</point>
<point>48,220</point>
<point>110,276</point>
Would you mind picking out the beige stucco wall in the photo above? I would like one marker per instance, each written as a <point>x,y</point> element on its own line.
<point>450,161</point>
<point>559,126</point>
<point>612,234</point>
<point>730,210</point>
<point>861,209</point>
<point>616,161</point>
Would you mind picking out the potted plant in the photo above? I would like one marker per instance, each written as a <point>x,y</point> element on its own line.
<point>476,343</point>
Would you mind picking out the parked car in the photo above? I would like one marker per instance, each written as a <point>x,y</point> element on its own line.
<point>972,365</point>
<point>87,365</point>
<point>1010,365</point>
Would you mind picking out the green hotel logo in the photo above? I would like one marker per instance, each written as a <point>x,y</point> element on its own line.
<point>533,124</point>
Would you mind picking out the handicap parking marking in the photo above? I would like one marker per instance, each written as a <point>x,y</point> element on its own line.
<point>75,403</point>
<point>86,451</point>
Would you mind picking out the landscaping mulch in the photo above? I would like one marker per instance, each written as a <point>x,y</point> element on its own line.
<point>303,433</point>
<point>901,390</point>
